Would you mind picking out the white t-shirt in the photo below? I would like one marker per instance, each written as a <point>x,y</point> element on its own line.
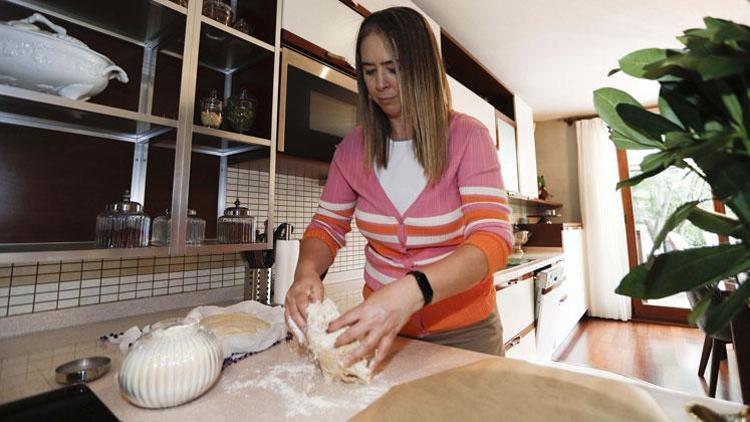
<point>403,180</point>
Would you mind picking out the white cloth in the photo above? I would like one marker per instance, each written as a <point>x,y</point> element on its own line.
<point>605,243</point>
<point>403,180</point>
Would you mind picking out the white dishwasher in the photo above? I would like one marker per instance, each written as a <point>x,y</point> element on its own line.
<point>550,283</point>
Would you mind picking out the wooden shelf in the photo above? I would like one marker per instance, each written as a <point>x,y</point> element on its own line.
<point>535,202</point>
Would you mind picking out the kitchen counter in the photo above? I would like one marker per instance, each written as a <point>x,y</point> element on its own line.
<point>538,257</point>
<point>277,384</point>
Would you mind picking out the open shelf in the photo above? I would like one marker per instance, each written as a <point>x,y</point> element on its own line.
<point>143,22</point>
<point>534,202</point>
<point>205,135</point>
<point>47,252</point>
<point>223,49</point>
<point>46,111</point>
<point>211,247</point>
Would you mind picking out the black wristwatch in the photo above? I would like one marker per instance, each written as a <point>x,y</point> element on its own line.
<point>424,285</point>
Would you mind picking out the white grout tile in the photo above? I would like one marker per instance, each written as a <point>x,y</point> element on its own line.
<point>4,291</point>
<point>4,301</point>
<point>110,281</point>
<point>160,292</point>
<point>160,284</point>
<point>127,295</point>
<point>94,291</point>
<point>22,290</point>
<point>45,297</point>
<point>109,298</point>
<point>161,276</point>
<point>67,294</point>
<point>45,306</point>
<point>68,285</point>
<point>47,287</point>
<point>89,300</point>
<point>18,310</point>
<point>70,303</point>
<point>21,300</point>
<point>108,290</point>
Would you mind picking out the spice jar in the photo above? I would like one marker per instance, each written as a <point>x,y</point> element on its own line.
<point>218,11</point>
<point>196,229</point>
<point>123,225</point>
<point>211,108</point>
<point>241,111</point>
<point>236,225</point>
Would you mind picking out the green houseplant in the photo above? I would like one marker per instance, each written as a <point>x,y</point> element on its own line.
<point>703,125</point>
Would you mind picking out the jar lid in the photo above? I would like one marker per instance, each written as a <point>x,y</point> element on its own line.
<point>126,206</point>
<point>244,98</point>
<point>190,212</point>
<point>237,210</point>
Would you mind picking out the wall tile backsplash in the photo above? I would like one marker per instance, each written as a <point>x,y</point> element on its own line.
<point>37,287</point>
<point>296,203</point>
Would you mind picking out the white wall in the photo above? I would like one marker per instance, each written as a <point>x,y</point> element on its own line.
<point>557,160</point>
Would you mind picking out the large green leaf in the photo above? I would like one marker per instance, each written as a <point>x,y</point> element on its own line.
<point>623,142</point>
<point>679,271</point>
<point>606,101</point>
<point>645,121</point>
<point>713,222</point>
<point>673,105</point>
<point>729,177</point>
<point>730,100</point>
<point>712,143</point>
<point>678,216</point>
<point>635,63</point>
<point>725,312</point>
<point>658,160</point>
<point>715,67</point>
<point>639,178</point>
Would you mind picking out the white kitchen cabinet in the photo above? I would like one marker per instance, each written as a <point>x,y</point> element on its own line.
<point>522,347</point>
<point>515,305</point>
<point>526,149</point>
<point>375,5</point>
<point>574,302</point>
<point>467,102</point>
<point>506,152</point>
<point>327,23</point>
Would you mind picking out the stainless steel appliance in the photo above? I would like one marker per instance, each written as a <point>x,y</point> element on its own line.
<point>318,107</point>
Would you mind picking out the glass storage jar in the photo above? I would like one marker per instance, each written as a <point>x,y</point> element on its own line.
<point>123,225</point>
<point>236,225</point>
<point>241,111</point>
<point>218,11</point>
<point>196,229</point>
<point>211,110</point>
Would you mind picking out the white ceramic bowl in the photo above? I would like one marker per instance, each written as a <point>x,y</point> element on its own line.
<point>171,365</point>
<point>52,62</point>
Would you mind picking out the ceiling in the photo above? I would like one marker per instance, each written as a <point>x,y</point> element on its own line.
<point>554,54</point>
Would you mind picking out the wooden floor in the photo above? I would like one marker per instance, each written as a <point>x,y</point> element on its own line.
<point>664,355</point>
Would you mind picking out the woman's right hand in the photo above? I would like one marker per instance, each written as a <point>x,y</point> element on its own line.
<point>305,289</point>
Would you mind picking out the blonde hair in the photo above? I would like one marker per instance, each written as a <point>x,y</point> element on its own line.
<point>423,87</point>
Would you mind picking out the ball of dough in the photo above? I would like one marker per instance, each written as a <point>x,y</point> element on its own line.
<point>320,343</point>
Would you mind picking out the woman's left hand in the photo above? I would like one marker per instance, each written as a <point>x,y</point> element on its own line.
<point>377,321</point>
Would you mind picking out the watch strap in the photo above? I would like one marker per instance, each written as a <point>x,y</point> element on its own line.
<point>424,285</point>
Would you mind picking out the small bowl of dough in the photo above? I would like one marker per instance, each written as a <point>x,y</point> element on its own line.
<point>171,365</point>
<point>245,327</point>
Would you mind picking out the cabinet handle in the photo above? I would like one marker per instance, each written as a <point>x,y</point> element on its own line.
<point>564,298</point>
<point>512,282</point>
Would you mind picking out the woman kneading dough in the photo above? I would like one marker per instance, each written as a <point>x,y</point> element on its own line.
<point>423,183</point>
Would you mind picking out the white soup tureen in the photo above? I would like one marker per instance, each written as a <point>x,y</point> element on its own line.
<point>52,62</point>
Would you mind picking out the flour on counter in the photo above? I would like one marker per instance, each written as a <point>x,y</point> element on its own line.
<point>295,384</point>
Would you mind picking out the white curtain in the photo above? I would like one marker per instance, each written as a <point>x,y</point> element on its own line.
<point>605,244</point>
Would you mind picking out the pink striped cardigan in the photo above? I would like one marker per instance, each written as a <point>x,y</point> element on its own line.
<point>468,205</point>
